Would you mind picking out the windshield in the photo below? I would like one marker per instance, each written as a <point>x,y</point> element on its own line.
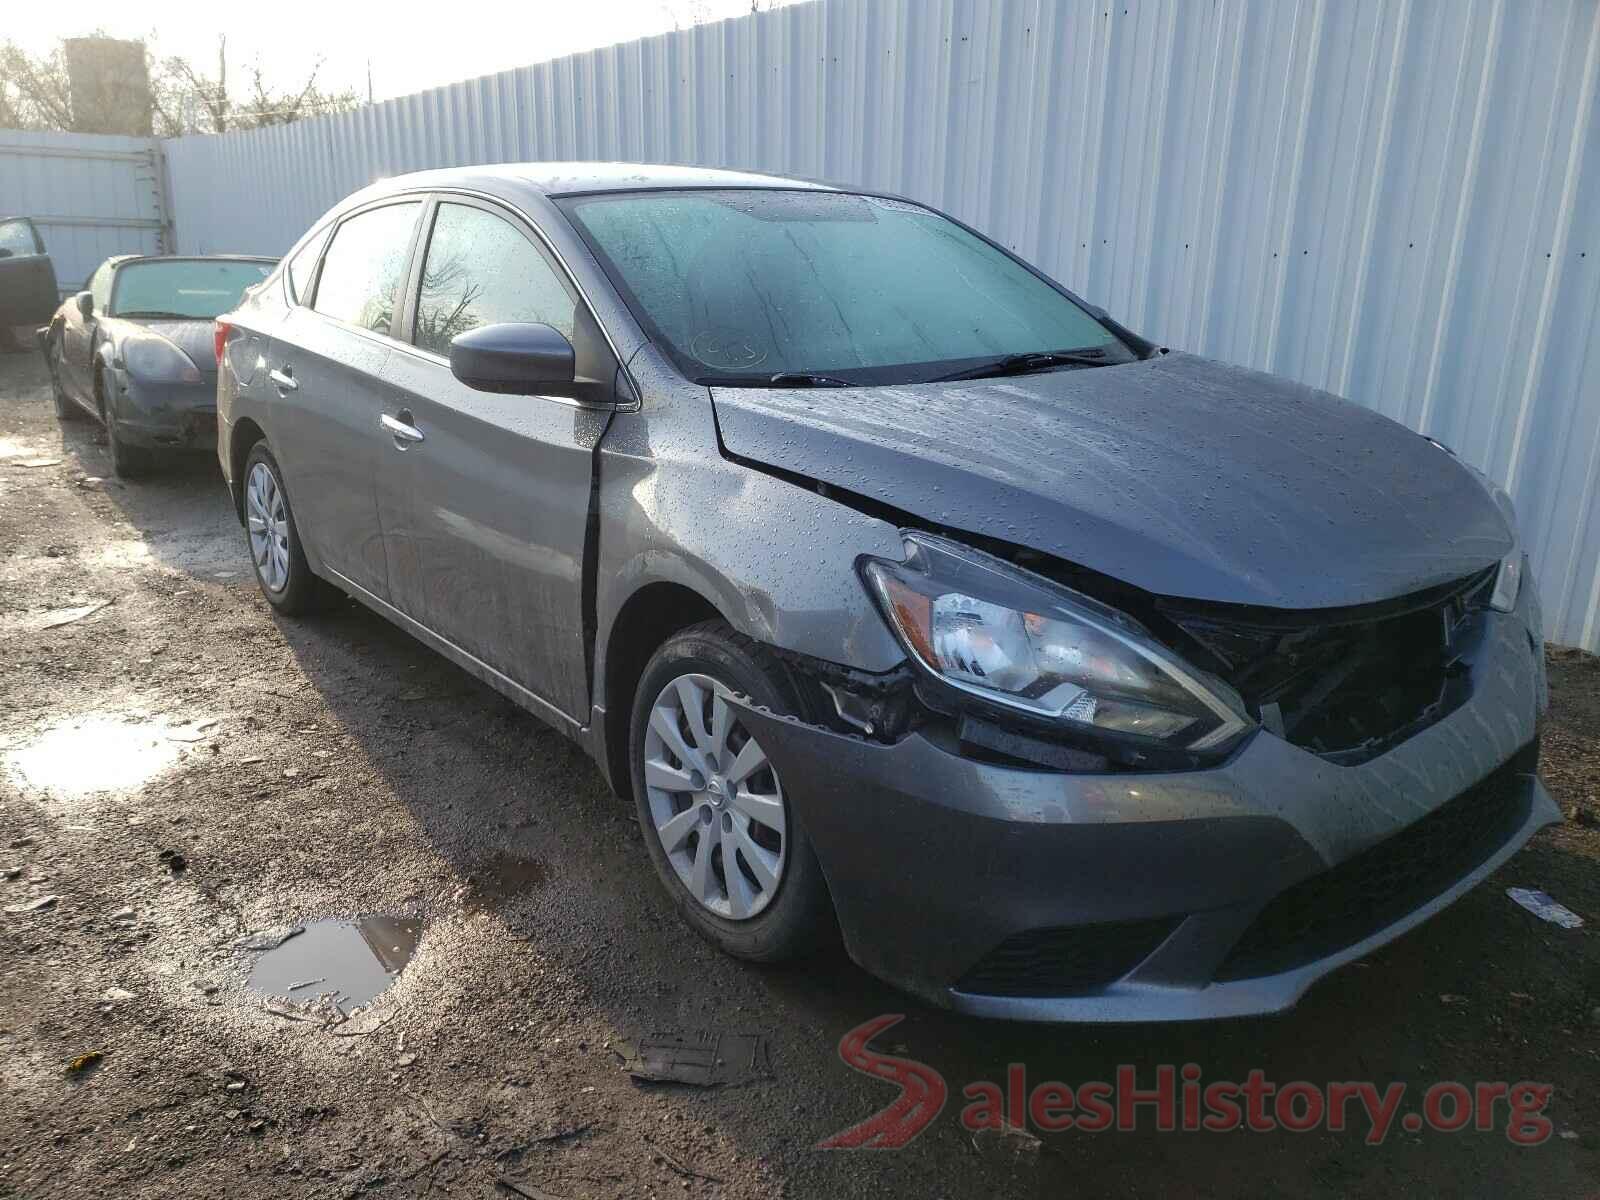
<point>193,287</point>
<point>742,285</point>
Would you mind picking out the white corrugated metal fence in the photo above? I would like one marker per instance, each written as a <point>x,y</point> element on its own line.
<point>90,196</point>
<point>1395,199</point>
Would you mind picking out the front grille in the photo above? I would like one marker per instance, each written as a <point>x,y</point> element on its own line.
<point>1347,684</point>
<point>1067,961</point>
<point>1357,898</point>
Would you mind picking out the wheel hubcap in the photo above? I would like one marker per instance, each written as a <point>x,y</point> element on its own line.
<point>714,799</point>
<point>268,520</point>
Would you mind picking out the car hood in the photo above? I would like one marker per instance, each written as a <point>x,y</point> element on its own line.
<point>1178,475</point>
<point>194,338</point>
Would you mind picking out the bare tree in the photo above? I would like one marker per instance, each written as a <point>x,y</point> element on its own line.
<point>34,91</point>
<point>35,94</point>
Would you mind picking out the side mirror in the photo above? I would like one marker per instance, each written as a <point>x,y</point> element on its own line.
<point>85,303</point>
<point>513,357</point>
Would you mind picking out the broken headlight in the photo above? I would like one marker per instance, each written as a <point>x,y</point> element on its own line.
<point>1013,638</point>
<point>1507,583</point>
<point>153,358</point>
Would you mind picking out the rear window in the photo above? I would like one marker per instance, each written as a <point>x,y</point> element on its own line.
<point>198,288</point>
<point>364,268</point>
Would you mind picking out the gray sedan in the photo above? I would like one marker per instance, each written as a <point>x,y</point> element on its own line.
<point>136,350</point>
<point>906,595</point>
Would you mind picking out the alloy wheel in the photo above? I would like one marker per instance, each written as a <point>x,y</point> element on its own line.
<point>268,520</point>
<point>715,801</point>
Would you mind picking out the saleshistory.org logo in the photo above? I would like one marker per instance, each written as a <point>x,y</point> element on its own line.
<point>1177,1098</point>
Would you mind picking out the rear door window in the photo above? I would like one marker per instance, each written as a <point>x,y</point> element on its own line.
<point>363,272</point>
<point>481,270</point>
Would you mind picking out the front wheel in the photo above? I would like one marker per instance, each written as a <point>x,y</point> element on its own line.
<point>721,833</point>
<point>280,564</point>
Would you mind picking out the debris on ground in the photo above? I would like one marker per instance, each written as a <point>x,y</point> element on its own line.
<point>269,939</point>
<point>701,1059</point>
<point>173,861</point>
<point>55,618</point>
<point>1546,909</point>
<point>1006,1142</point>
<point>33,906</point>
<point>84,1061</point>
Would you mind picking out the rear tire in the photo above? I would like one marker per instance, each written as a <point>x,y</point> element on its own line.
<point>66,410</point>
<point>273,540</point>
<point>701,799</point>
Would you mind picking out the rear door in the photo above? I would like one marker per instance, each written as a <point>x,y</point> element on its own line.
<point>326,364</point>
<point>27,276</point>
<point>486,507</point>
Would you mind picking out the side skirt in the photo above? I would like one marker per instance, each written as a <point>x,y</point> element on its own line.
<point>507,687</point>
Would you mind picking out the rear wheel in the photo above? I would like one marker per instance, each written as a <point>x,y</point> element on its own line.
<point>280,564</point>
<point>721,834</point>
<point>66,410</point>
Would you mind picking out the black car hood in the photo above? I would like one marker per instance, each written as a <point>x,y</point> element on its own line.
<point>1178,475</point>
<point>194,338</point>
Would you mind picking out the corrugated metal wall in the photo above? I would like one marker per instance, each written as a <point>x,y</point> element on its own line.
<point>90,196</point>
<point>1398,200</point>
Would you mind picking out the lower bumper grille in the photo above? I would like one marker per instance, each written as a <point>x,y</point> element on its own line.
<point>1065,962</point>
<point>1357,898</point>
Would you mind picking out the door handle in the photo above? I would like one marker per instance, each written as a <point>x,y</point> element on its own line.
<point>285,381</point>
<point>401,427</point>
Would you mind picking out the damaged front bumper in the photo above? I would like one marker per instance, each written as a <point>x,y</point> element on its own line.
<point>1053,896</point>
<point>165,416</point>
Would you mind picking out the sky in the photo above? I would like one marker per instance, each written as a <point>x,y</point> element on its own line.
<point>410,46</point>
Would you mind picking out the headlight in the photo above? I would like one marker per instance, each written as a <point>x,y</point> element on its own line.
<point>1015,639</point>
<point>1507,583</point>
<point>150,357</point>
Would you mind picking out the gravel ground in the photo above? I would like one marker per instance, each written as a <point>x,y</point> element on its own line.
<point>181,769</point>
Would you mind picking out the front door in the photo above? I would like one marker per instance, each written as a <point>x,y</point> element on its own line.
<point>27,276</point>
<point>485,502</point>
<point>77,335</point>
<point>326,363</point>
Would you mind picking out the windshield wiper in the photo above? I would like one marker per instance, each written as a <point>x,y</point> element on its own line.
<point>1036,360</point>
<point>797,379</point>
<point>807,379</point>
<point>156,316</point>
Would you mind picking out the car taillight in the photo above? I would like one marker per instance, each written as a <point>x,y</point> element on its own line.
<point>220,331</point>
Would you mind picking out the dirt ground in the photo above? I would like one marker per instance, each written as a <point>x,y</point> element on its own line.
<point>337,768</point>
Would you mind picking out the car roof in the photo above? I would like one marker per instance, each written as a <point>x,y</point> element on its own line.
<point>118,260</point>
<point>575,178</point>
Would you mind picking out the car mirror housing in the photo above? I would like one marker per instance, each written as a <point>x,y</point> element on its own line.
<point>513,357</point>
<point>85,303</point>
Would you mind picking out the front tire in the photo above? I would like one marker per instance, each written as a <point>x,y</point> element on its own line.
<point>285,578</point>
<point>724,841</point>
<point>127,462</point>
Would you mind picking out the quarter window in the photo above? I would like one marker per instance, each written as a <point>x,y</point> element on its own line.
<point>481,270</point>
<point>303,264</point>
<point>364,269</point>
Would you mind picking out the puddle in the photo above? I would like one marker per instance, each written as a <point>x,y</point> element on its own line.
<point>97,753</point>
<point>503,877</point>
<point>351,960</point>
